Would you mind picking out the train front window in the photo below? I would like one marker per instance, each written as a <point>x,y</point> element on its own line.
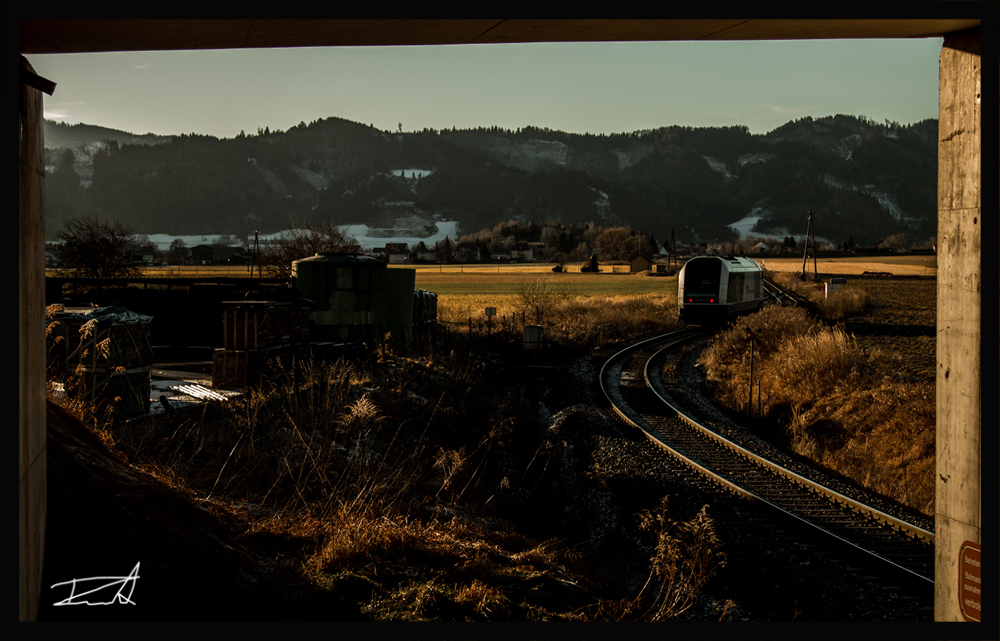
<point>702,278</point>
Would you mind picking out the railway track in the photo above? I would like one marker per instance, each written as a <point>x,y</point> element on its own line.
<point>781,295</point>
<point>885,544</point>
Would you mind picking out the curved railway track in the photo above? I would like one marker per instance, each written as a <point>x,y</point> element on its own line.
<point>778,294</point>
<point>630,380</point>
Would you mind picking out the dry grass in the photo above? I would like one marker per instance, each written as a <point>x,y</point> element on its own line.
<point>687,555</point>
<point>580,322</point>
<point>831,401</point>
<point>391,482</point>
<point>899,265</point>
<point>838,305</point>
<point>396,475</point>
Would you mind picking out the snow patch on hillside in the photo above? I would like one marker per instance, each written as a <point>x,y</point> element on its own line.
<point>750,159</point>
<point>719,166</point>
<point>628,157</point>
<point>311,178</point>
<point>272,180</point>
<point>846,148</point>
<point>547,150</point>
<point>603,205</point>
<point>163,241</point>
<point>83,161</point>
<point>367,237</point>
<point>883,197</point>
<point>746,224</point>
<point>833,181</point>
<point>412,173</point>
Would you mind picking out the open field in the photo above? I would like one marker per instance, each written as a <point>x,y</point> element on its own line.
<point>512,282</point>
<point>518,268</point>
<point>906,265</point>
<point>240,271</point>
<point>901,265</point>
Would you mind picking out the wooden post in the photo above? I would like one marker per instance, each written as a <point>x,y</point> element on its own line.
<point>959,473</point>
<point>32,488</point>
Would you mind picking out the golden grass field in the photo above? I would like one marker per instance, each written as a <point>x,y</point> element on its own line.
<point>907,265</point>
<point>902,265</point>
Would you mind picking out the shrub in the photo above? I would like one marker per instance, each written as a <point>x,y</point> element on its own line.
<point>687,554</point>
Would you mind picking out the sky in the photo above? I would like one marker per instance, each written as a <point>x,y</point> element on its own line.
<point>597,88</point>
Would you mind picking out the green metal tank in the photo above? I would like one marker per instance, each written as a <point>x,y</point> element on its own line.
<point>356,298</point>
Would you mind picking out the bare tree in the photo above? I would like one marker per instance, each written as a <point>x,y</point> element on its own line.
<point>178,252</point>
<point>615,243</point>
<point>91,247</point>
<point>897,242</point>
<point>307,240</point>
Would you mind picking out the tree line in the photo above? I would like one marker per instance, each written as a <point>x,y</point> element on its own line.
<point>694,180</point>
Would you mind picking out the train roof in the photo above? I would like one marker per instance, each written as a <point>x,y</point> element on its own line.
<point>733,263</point>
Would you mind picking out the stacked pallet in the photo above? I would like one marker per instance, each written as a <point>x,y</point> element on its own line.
<point>251,325</point>
<point>106,355</point>
<point>253,332</point>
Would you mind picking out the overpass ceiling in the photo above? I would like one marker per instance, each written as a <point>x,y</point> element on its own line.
<point>79,36</point>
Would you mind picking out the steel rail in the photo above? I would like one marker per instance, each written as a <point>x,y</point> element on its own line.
<point>796,478</point>
<point>787,293</point>
<point>806,484</point>
<point>679,335</point>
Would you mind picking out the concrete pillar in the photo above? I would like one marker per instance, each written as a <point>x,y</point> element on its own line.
<point>31,350</point>
<point>958,502</point>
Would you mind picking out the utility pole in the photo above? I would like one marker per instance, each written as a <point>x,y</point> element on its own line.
<point>810,242</point>
<point>673,249</point>
<point>255,255</point>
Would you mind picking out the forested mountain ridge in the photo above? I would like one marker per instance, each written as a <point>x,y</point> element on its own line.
<point>862,179</point>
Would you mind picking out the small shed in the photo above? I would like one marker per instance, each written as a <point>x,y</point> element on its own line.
<point>639,262</point>
<point>835,285</point>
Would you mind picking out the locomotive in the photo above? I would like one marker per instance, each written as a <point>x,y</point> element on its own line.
<point>714,289</point>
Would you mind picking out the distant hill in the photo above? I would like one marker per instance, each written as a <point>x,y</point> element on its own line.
<point>61,135</point>
<point>863,180</point>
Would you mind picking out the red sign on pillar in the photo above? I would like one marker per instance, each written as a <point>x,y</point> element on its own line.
<point>969,581</point>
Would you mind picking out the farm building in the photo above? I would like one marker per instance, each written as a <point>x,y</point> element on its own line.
<point>356,298</point>
<point>467,252</point>
<point>639,262</point>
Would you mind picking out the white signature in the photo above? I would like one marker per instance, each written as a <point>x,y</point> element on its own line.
<point>109,583</point>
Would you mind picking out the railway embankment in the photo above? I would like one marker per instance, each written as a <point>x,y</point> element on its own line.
<point>857,397</point>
